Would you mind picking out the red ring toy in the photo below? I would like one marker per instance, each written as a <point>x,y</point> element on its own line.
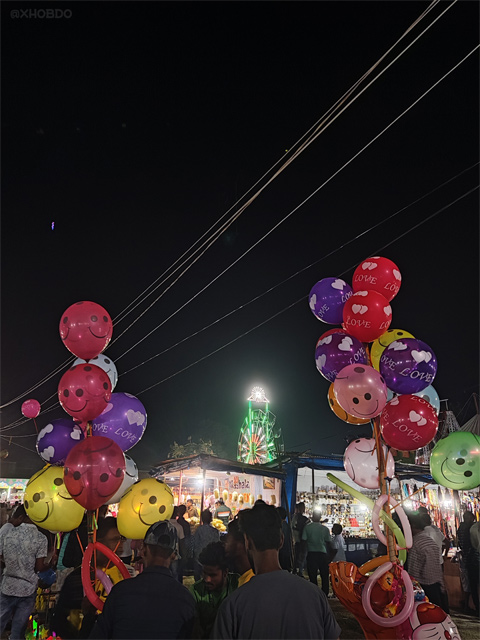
<point>86,582</point>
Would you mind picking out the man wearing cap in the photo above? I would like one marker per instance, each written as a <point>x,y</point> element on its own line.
<point>154,604</point>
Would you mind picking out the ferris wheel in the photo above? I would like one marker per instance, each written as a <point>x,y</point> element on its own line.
<point>259,441</point>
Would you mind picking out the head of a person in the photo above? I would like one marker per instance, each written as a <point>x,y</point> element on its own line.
<point>316,515</point>
<point>337,529</point>
<point>262,529</point>
<point>417,522</point>
<point>300,507</point>
<point>206,516</point>
<point>282,512</point>
<point>18,516</point>
<point>468,517</point>
<point>189,503</point>
<point>215,568</point>
<point>181,510</point>
<point>160,544</point>
<point>234,542</point>
<point>220,501</point>
<point>107,534</point>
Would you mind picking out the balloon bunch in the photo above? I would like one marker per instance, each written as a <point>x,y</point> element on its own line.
<point>85,454</point>
<point>375,371</point>
<point>383,376</point>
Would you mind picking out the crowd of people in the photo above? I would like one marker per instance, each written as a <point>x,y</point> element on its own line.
<point>248,583</point>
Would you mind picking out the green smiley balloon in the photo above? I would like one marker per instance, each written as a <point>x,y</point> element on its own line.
<point>455,461</point>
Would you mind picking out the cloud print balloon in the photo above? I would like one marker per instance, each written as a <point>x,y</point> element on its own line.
<point>57,439</point>
<point>104,363</point>
<point>327,298</point>
<point>124,420</point>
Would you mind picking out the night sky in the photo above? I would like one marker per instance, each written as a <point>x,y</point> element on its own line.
<point>134,126</point>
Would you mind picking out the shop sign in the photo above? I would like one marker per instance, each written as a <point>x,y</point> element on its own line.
<point>239,483</point>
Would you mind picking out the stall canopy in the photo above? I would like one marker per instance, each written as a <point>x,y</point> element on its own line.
<point>212,463</point>
<point>291,462</point>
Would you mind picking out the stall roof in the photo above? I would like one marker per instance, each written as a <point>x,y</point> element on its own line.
<point>212,463</point>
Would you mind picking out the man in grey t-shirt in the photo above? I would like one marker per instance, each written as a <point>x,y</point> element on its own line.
<point>274,603</point>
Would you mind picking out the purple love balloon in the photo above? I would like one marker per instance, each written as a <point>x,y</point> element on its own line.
<point>123,420</point>
<point>57,438</point>
<point>327,298</point>
<point>408,366</point>
<point>336,351</point>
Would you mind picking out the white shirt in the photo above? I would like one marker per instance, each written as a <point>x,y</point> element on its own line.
<point>20,548</point>
<point>338,543</point>
<point>436,535</point>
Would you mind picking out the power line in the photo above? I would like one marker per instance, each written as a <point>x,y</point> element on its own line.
<point>275,315</point>
<point>232,264</point>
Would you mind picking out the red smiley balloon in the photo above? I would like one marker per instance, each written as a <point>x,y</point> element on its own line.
<point>84,391</point>
<point>94,471</point>
<point>86,329</point>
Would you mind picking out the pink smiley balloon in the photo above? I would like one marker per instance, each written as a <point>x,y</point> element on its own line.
<point>361,391</point>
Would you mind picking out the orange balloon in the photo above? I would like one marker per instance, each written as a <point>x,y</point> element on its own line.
<point>341,413</point>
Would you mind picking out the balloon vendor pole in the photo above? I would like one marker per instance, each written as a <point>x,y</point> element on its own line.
<point>383,488</point>
<point>91,520</point>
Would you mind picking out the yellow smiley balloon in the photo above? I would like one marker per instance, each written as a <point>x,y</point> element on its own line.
<point>146,502</point>
<point>380,344</point>
<point>48,503</point>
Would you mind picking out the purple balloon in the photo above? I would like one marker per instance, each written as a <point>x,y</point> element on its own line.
<point>327,298</point>
<point>123,420</point>
<point>336,351</point>
<point>57,438</point>
<point>408,365</point>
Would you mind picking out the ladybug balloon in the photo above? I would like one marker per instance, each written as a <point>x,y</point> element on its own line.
<point>94,471</point>
<point>84,391</point>
<point>86,329</point>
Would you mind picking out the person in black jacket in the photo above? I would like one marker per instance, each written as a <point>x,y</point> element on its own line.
<point>154,604</point>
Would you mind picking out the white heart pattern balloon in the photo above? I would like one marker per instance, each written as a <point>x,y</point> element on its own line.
<point>420,356</point>
<point>326,340</point>
<point>321,360</point>
<point>417,418</point>
<point>396,345</point>
<point>359,308</point>
<point>361,293</point>
<point>397,274</point>
<point>313,302</point>
<point>388,310</point>
<point>339,284</point>
<point>346,344</point>
<point>369,265</point>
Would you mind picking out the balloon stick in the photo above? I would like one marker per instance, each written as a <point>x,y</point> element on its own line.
<point>383,488</point>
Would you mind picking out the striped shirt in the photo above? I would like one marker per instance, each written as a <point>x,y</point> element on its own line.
<point>425,560</point>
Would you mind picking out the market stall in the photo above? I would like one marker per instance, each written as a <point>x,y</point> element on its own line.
<point>204,478</point>
<point>12,490</point>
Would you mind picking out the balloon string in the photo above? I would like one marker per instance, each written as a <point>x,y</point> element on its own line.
<point>79,541</point>
<point>35,423</point>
